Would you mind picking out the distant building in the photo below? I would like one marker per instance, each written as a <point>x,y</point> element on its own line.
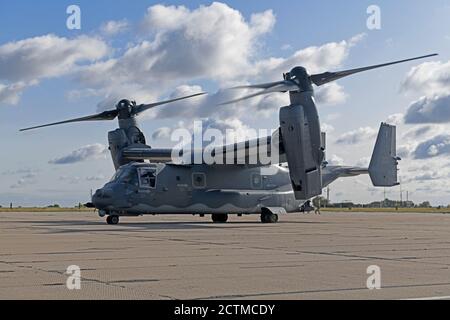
<point>408,204</point>
<point>386,203</point>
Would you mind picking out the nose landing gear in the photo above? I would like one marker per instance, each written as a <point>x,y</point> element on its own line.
<point>112,219</point>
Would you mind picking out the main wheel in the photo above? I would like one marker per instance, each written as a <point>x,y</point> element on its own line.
<point>269,218</point>
<point>219,217</point>
<point>112,219</point>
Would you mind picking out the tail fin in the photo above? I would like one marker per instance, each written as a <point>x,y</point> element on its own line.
<point>383,165</point>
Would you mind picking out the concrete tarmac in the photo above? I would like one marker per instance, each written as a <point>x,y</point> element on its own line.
<point>186,257</point>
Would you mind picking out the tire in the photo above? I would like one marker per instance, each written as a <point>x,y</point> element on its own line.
<point>269,218</point>
<point>219,217</point>
<point>112,220</point>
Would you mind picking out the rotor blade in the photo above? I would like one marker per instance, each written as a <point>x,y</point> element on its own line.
<point>106,115</point>
<point>282,86</point>
<point>144,107</point>
<point>259,86</point>
<point>322,78</point>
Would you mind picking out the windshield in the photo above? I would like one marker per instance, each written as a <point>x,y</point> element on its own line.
<point>126,175</point>
<point>118,173</point>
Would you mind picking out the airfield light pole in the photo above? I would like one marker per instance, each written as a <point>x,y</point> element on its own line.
<point>328,195</point>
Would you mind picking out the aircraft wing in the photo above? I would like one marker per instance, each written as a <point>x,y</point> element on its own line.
<point>243,153</point>
<point>147,153</point>
<point>258,152</point>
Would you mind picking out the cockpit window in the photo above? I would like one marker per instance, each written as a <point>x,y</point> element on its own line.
<point>147,177</point>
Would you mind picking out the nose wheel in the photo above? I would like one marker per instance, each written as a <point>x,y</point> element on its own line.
<point>112,219</point>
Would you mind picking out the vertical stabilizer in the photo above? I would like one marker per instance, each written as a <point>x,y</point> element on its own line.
<point>383,165</point>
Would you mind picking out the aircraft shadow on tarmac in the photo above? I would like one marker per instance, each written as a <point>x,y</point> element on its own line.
<point>54,226</point>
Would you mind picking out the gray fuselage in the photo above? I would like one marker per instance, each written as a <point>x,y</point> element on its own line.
<point>142,188</point>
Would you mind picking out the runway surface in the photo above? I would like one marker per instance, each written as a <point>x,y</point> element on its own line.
<point>185,257</point>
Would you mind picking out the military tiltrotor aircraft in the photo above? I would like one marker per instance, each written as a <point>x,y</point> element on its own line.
<point>151,181</point>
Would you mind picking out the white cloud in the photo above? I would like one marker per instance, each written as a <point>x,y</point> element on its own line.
<point>213,42</point>
<point>10,94</point>
<point>91,151</point>
<point>363,162</point>
<point>99,177</point>
<point>425,176</point>
<point>70,179</point>
<point>357,136</point>
<point>114,27</point>
<point>22,171</point>
<point>266,70</point>
<point>428,78</point>
<point>162,133</point>
<point>412,138</point>
<point>432,80</point>
<point>25,62</point>
<point>27,179</point>
<point>427,143</point>
<point>208,106</point>
<point>20,184</point>
<point>333,116</point>
<point>436,146</point>
<point>395,119</point>
<point>335,161</point>
<point>418,132</point>
<point>325,127</point>
<point>434,109</point>
<point>47,56</point>
<point>267,105</point>
<point>405,150</point>
<point>176,46</point>
<point>262,22</point>
<point>315,59</point>
<point>330,94</point>
<point>232,130</point>
<point>180,45</point>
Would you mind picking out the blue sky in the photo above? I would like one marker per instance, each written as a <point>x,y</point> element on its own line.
<point>57,90</point>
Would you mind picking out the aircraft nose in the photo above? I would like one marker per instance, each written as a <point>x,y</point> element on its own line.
<point>102,198</point>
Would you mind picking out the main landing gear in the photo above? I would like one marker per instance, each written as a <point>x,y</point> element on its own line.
<point>269,218</point>
<point>112,219</point>
<point>219,217</point>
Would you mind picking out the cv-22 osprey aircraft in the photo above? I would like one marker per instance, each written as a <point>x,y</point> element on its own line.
<point>150,181</point>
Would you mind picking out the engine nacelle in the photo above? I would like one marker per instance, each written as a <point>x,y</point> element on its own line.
<point>303,159</point>
<point>117,140</point>
<point>120,139</point>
